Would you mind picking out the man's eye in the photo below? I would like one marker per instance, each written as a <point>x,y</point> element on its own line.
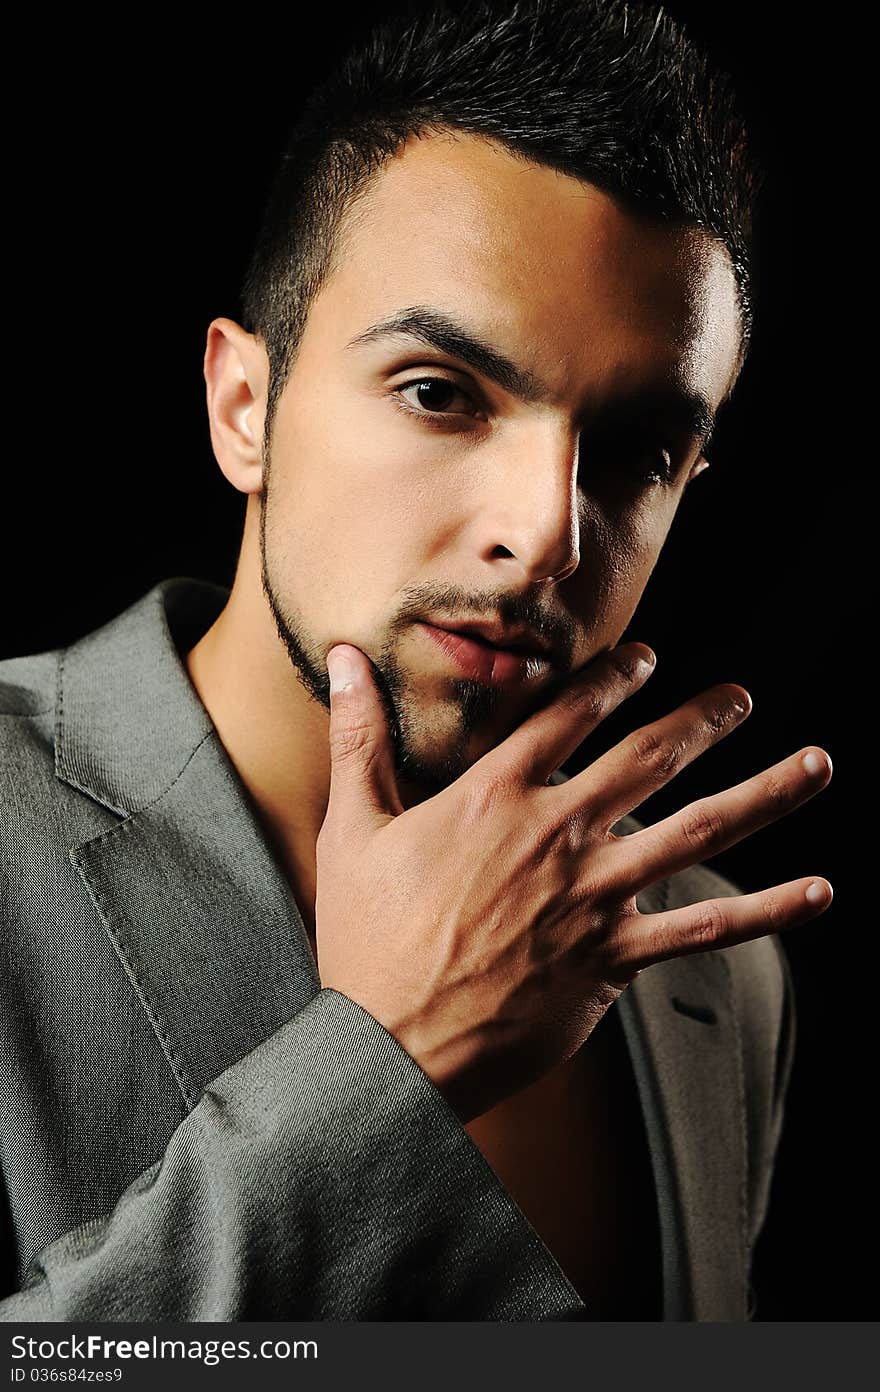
<point>653,463</point>
<point>623,460</point>
<point>433,396</point>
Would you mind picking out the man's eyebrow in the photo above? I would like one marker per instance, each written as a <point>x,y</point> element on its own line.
<point>438,330</point>
<point>677,407</point>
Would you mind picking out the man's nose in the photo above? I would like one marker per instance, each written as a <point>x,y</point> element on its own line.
<point>529,518</point>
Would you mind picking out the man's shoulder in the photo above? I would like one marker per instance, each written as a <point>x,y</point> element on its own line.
<point>113,715</point>
<point>28,685</point>
<point>27,712</point>
<point>40,815</point>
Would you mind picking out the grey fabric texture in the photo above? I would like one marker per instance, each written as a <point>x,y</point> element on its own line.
<point>192,1128</point>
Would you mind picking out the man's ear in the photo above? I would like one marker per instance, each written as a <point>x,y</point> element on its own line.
<point>697,468</point>
<point>236,376</point>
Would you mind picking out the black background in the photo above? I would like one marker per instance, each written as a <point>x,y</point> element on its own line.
<point>140,161</point>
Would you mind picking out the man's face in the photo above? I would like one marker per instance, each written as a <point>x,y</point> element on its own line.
<point>542,499</point>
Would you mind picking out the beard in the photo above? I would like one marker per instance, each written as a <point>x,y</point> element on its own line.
<point>421,770</point>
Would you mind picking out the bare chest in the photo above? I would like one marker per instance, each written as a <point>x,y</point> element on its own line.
<point>572,1152</point>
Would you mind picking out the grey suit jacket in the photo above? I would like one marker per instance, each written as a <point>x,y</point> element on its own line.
<point>191,1128</point>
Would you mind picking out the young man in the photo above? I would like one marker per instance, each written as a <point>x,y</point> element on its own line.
<point>327,991</point>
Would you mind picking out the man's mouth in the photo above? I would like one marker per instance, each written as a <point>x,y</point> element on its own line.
<point>482,660</point>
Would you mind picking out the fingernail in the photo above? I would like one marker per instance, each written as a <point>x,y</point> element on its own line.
<point>814,764</point>
<point>340,669</point>
<point>817,893</point>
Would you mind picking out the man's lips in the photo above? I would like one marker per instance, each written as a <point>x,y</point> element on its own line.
<point>475,657</point>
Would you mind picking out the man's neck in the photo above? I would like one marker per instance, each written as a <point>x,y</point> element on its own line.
<point>273,731</point>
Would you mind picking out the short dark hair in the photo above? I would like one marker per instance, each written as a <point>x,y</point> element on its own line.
<point>610,91</point>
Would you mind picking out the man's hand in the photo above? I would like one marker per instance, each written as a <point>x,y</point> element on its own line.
<point>490,927</point>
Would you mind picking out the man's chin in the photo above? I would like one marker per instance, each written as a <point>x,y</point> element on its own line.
<point>427,767</point>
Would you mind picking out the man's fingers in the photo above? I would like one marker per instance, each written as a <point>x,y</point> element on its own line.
<point>651,756</point>
<point>710,825</point>
<point>548,737</point>
<point>643,939</point>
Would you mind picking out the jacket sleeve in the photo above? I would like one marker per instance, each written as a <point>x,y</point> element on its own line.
<point>322,1176</point>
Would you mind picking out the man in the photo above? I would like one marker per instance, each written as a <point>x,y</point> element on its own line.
<point>327,990</point>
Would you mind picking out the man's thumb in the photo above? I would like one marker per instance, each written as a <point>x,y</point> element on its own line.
<point>362,774</point>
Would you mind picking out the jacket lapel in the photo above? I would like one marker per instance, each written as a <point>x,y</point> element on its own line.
<point>209,933</point>
<point>199,912</point>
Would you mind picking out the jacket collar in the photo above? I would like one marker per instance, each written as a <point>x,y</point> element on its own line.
<point>127,716</point>
<point>220,969</point>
